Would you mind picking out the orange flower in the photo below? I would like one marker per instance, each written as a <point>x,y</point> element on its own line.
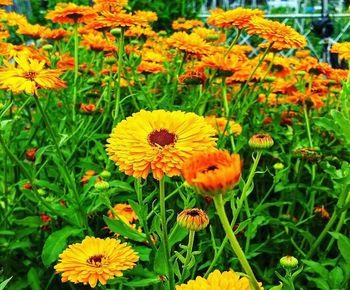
<point>146,16</point>
<point>320,210</point>
<point>97,42</point>
<point>71,13</point>
<point>283,36</point>
<point>210,34</point>
<point>88,108</point>
<point>190,43</point>
<point>225,65</point>
<point>55,34</point>
<point>150,67</point>
<point>87,176</point>
<point>238,18</point>
<point>6,2</point>
<point>110,5</point>
<point>14,19</point>
<point>125,212</point>
<point>35,31</point>
<point>30,154</point>
<point>213,172</point>
<point>183,24</point>
<point>120,19</point>
<point>219,124</point>
<point>138,31</point>
<point>193,76</point>
<point>343,49</point>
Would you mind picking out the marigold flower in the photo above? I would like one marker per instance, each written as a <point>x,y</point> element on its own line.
<point>343,49</point>
<point>96,42</point>
<point>125,212</point>
<point>150,67</point>
<point>14,19</point>
<point>71,13</point>
<point>95,260</point>
<point>6,2</point>
<point>120,19</point>
<point>110,5</point>
<point>228,280</point>
<point>261,141</point>
<point>193,219</point>
<point>29,76</point>
<point>238,18</point>
<point>138,31</point>
<point>213,172</point>
<point>55,34</point>
<point>35,31</point>
<point>189,43</point>
<point>158,140</point>
<point>183,24</point>
<point>225,65</point>
<point>283,36</point>
<point>219,123</point>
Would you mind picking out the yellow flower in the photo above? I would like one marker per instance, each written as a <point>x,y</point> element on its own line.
<point>228,280</point>
<point>95,260</point>
<point>123,210</point>
<point>158,140</point>
<point>219,123</point>
<point>28,76</point>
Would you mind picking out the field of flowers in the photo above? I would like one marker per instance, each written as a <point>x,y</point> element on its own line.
<point>141,159</point>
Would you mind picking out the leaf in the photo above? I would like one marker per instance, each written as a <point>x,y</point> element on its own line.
<point>121,186</point>
<point>180,257</point>
<point>34,279</point>
<point>336,277</point>
<point>142,282</point>
<point>177,234</point>
<point>4,283</point>
<point>160,264</point>
<point>30,221</point>
<point>143,252</point>
<point>119,227</point>
<point>278,287</point>
<point>344,247</point>
<point>316,268</point>
<point>56,243</point>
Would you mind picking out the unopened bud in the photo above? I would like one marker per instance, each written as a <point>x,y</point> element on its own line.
<point>116,31</point>
<point>193,219</point>
<point>102,185</point>
<point>289,262</point>
<point>105,174</point>
<point>261,141</point>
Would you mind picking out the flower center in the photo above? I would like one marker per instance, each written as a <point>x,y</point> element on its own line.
<point>162,138</point>
<point>95,260</point>
<point>30,75</point>
<point>193,212</point>
<point>210,168</point>
<point>75,16</point>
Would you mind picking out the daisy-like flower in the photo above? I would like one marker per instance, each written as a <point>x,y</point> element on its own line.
<point>192,44</point>
<point>96,42</point>
<point>71,13</point>
<point>228,280</point>
<point>28,76</point>
<point>219,123</point>
<point>158,140</point>
<point>34,31</point>
<point>183,24</point>
<point>282,36</point>
<point>225,65</point>
<point>95,260</point>
<point>138,31</point>
<point>238,18</point>
<point>55,34</point>
<point>125,212</point>
<point>6,2</point>
<point>110,5</point>
<point>213,172</point>
<point>343,49</point>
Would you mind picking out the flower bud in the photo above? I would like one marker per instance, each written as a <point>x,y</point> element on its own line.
<point>193,219</point>
<point>212,37</point>
<point>41,191</point>
<point>105,174</point>
<point>116,31</point>
<point>289,262</point>
<point>102,185</point>
<point>261,141</point>
<point>47,47</point>
<point>110,60</point>
<point>278,166</point>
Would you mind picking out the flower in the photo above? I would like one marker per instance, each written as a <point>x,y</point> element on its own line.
<point>281,35</point>
<point>219,124</point>
<point>6,2</point>
<point>213,172</point>
<point>29,76</point>
<point>261,141</point>
<point>71,13</point>
<point>34,31</point>
<point>322,212</point>
<point>158,140</point>
<point>190,43</point>
<point>227,280</point>
<point>95,260</point>
<point>289,262</point>
<point>193,219</point>
<point>96,42</point>
<point>125,212</point>
<point>54,34</point>
<point>343,49</point>
<point>238,17</point>
<point>183,24</point>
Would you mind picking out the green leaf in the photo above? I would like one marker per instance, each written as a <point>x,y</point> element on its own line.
<point>56,243</point>
<point>142,282</point>
<point>4,283</point>
<point>34,279</point>
<point>30,221</point>
<point>119,227</point>
<point>160,263</point>
<point>180,257</point>
<point>316,268</point>
<point>344,247</point>
<point>143,252</point>
<point>278,287</point>
<point>177,234</point>
<point>336,277</point>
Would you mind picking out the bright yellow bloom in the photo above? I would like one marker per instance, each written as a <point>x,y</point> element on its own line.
<point>95,260</point>
<point>28,76</point>
<point>158,140</point>
<point>227,280</point>
<point>343,49</point>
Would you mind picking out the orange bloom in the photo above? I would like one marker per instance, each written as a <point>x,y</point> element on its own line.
<point>13,19</point>
<point>146,16</point>
<point>238,18</point>
<point>193,76</point>
<point>30,154</point>
<point>54,34</point>
<point>219,124</point>
<point>35,31</point>
<point>183,24</point>
<point>189,43</point>
<point>97,42</point>
<point>87,176</point>
<point>71,13</point>
<point>210,34</point>
<point>88,108</point>
<point>110,5</point>
<point>150,67</point>
<point>125,212</point>
<point>320,210</point>
<point>343,49</point>
<point>212,172</point>
<point>6,2</point>
<point>224,65</point>
<point>281,35</point>
<point>138,31</point>
<point>120,19</point>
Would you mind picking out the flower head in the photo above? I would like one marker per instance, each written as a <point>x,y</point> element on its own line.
<point>28,76</point>
<point>193,219</point>
<point>95,260</point>
<point>213,172</point>
<point>158,140</point>
<point>228,280</point>
<point>261,141</point>
<point>125,212</point>
<point>192,44</point>
<point>220,123</point>
<point>282,36</point>
<point>71,13</point>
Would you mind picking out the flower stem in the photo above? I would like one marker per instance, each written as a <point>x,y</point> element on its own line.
<point>118,89</point>
<point>188,254</point>
<point>165,240</point>
<point>76,66</point>
<point>220,209</point>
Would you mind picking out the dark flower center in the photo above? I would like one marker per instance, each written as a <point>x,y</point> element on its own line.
<point>210,168</point>
<point>30,75</point>
<point>75,16</point>
<point>162,137</point>
<point>260,136</point>
<point>193,212</point>
<point>95,260</point>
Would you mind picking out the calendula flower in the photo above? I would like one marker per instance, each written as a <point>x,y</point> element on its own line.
<point>343,49</point>
<point>238,18</point>
<point>14,19</point>
<point>193,219</point>
<point>97,42</point>
<point>150,67</point>
<point>190,43</point>
<point>71,13</point>
<point>34,31</point>
<point>55,34</point>
<point>110,5</point>
<point>212,172</point>
<point>219,123</point>
<point>120,19</point>
<point>158,140</point>
<point>283,36</point>
<point>123,210</point>
<point>225,65</point>
<point>95,260</point>
<point>28,76</point>
<point>261,141</point>
<point>183,24</point>
<point>228,280</point>
<point>6,2</point>
<point>138,31</point>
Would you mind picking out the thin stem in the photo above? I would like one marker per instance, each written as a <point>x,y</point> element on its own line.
<point>308,126</point>
<point>188,254</point>
<point>238,34</point>
<point>165,240</point>
<point>76,66</point>
<point>220,209</point>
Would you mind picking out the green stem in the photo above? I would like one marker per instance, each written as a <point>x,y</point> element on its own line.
<point>220,209</point>
<point>188,254</point>
<point>308,126</point>
<point>62,159</point>
<point>117,88</point>
<point>238,34</point>
<point>76,66</point>
<point>165,240</point>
